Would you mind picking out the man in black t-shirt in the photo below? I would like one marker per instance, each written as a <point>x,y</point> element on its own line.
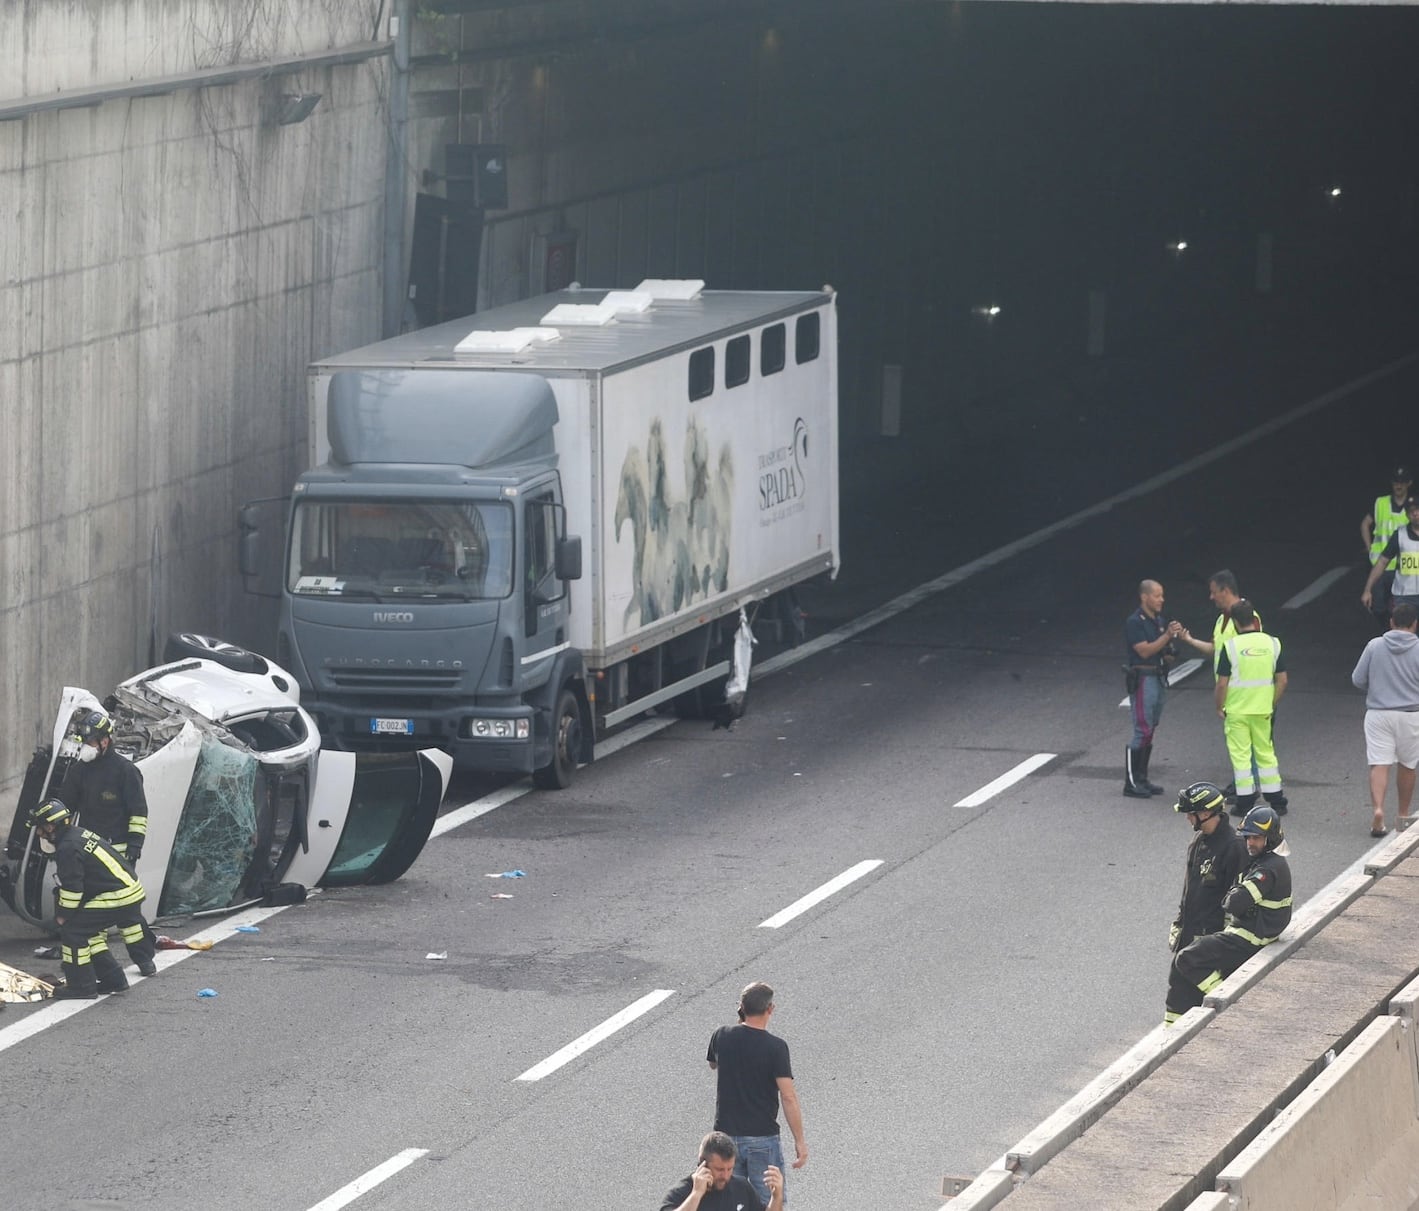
<point>753,1076</point>
<point>714,1186</point>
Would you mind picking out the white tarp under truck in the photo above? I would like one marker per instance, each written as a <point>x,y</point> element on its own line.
<point>525,527</point>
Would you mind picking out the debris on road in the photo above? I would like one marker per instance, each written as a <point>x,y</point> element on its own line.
<point>206,992</point>
<point>247,928</point>
<point>46,952</point>
<point>20,986</point>
<point>441,954</point>
<point>509,874</point>
<point>167,943</point>
<point>501,895</point>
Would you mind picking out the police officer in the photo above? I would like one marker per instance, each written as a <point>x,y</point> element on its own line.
<point>1401,552</point>
<point>1378,525</point>
<point>1216,857</point>
<point>1251,677</point>
<point>1257,909</point>
<point>106,789</point>
<point>97,890</point>
<point>1148,654</point>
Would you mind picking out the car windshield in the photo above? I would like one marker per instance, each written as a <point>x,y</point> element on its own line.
<point>365,548</point>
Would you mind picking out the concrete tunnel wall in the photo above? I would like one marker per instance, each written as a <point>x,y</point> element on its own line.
<point>170,265</point>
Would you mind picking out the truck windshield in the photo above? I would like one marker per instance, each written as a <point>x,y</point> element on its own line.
<point>401,548</point>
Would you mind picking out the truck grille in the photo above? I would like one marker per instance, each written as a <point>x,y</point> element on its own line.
<point>418,680</point>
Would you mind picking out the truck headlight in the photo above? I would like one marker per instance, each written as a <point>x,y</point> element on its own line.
<point>499,729</point>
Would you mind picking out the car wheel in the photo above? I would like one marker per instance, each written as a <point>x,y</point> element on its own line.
<point>187,645</point>
<point>557,774</point>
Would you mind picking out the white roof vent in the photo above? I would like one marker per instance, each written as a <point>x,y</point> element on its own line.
<point>581,315</point>
<point>510,340</point>
<point>631,302</point>
<point>678,290</point>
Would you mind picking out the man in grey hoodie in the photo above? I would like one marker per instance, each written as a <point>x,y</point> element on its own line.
<point>1388,672</point>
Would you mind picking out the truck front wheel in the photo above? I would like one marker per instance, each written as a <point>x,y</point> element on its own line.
<point>557,774</point>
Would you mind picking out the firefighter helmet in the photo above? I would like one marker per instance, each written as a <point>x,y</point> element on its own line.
<point>95,726</point>
<point>1263,822</point>
<point>1200,797</point>
<point>51,811</point>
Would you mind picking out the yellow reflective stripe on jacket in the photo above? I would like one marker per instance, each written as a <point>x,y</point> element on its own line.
<point>120,897</point>
<point>1255,893</point>
<point>68,899</point>
<point>1248,936</point>
<point>138,824</point>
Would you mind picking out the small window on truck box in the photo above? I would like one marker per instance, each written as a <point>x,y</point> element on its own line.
<point>736,362</point>
<point>702,373</point>
<point>771,349</point>
<point>805,338</point>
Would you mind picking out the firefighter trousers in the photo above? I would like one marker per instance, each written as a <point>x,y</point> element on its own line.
<point>1200,966</point>
<point>83,945</point>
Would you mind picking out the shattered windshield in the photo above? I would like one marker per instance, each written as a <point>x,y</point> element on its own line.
<point>383,549</point>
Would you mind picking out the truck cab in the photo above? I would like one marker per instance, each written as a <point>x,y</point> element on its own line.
<point>426,582</point>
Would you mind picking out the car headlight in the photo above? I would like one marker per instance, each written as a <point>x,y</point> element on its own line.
<point>499,729</point>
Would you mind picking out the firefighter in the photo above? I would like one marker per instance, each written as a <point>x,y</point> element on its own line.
<point>1216,857</point>
<point>105,789</point>
<point>1257,909</point>
<point>97,890</point>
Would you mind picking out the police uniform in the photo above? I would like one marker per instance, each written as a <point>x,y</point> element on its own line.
<point>1250,660</point>
<point>98,890</point>
<point>1403,549</point>
<point>107,794</point>
<point>1146,682</point>
<point>1389,516</point>
<point>1257,910</point>
<point>1214,862</point>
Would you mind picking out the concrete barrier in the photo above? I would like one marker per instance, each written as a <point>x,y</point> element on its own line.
<point>1087,1106</point>
<point>989,1188</point>
<point>1213,1200</point>
<point>1347,1141</point>
<point>1393,852</point>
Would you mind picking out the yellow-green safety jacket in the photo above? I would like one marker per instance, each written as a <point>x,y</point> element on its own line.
<point>1387,520</point>
<point>1252,656</point>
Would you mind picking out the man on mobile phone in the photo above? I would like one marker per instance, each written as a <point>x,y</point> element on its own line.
<point>753,1077</point>
<point>714,1186</point>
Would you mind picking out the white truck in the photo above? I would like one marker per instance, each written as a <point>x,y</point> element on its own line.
<point>435,588</point>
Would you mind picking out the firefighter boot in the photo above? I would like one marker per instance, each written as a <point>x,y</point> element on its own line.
<point>1278,801</point>
<point>108,975</point>
<point>1133,788</point>
<point>78,983</point>
<point>1142,772</point>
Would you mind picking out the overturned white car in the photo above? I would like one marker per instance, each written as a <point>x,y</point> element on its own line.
<point>241,798</point>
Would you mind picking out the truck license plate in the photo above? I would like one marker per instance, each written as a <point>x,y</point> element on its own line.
<point>391,727</point>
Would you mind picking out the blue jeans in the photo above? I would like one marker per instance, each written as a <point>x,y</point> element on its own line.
<point>753,1154</point>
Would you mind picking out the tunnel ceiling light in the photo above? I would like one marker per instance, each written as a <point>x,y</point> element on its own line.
<point>987,311</point>
<point>1178,247</point>
<point>1335,191</point>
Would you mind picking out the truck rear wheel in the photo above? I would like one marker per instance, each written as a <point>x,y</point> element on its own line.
<point>557,774</point>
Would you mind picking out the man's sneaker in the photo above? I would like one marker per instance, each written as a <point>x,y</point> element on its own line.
<point>147,967</point>
<point>67,993</point>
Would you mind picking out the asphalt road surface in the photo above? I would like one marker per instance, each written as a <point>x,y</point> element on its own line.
<point>938,1005</point>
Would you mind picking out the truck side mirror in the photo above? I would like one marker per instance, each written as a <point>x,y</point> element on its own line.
<point>249,552</point>
<point>568,558</point>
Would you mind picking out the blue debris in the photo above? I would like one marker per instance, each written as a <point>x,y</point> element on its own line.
<point>207,992</point>
<point>246,929</point>
<point>510,874</point>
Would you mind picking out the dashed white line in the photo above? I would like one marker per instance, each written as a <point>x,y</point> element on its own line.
<point>1007,779</point>
<point>589,1040</point>
<point>1315,588</point>
<point>368,1181</point>
<point>804,903</point>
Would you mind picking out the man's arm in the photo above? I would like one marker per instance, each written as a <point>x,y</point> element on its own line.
<point>1148,648</point>
<point>793,1114</point>
<point>1360,678</point>
<point>1202,645</point>
<point>137,803</point>
<point>699,1182</point>
<point>1278,688</point>
<point>1367,531</point>
<point>1391,550</point>
<point>1219,695</point>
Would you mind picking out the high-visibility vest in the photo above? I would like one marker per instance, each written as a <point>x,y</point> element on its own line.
<point>1222,630</point>
<point>1387,521</point>
<point>1253,656</point>
<point>1406,578</point>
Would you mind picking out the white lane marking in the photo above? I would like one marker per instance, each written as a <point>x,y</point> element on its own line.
<point>1315,588</point>
<point>368,1181</point>
<point>589,1040</point>
<point>1009,778</point>
<point>57,1011</point>
<point>914,597</point>
<point>1186,669</point>
<point>804,903</point>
